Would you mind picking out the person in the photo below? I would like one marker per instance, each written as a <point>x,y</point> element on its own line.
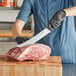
<point>56,14</point>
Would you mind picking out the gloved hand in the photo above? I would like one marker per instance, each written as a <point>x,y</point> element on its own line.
<point>20,39</point>
<point>57,19</point>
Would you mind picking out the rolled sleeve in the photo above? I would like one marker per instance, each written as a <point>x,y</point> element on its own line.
<point>25,11</point>
<point>74,2</point>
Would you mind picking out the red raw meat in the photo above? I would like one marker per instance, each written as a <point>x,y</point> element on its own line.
<point>33,52</point>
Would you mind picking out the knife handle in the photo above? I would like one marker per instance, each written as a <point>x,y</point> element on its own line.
<point>20,39</point>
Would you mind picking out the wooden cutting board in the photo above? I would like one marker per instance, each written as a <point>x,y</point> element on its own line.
<point>50,67</point>
<point>8,33</point>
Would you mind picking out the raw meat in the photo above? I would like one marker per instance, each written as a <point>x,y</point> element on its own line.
<point>33,52</point>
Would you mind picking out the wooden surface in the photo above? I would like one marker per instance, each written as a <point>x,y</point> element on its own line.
<point>8,33</point>
<point>50,67</point>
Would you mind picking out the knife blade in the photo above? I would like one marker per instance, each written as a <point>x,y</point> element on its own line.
<point>36,38</point>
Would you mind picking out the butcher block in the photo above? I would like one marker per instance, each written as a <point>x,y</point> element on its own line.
<point>50,67</point>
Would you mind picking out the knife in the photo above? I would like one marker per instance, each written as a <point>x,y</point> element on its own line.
<point>36,38</point>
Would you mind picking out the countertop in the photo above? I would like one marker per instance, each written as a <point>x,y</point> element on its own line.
<point>69,69</point>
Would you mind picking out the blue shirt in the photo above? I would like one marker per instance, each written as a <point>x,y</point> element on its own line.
<point>61,40</point>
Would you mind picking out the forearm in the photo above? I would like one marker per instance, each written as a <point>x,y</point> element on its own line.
<point>70,11</point>
<point>17,28</point>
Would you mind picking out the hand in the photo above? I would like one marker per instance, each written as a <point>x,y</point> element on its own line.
<point>57,19</point>
<point>20,39</point>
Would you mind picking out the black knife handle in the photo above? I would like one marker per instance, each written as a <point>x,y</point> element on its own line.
<point>20,39</point>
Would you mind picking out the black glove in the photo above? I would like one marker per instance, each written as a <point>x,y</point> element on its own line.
<point>20,39</point>
<point>57,19</point>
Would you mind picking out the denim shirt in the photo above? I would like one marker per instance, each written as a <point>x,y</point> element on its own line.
<point>61,40</point>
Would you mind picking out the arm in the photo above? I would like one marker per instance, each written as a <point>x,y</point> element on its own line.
<point>70,11</point>
<point>59,17</point>
<point>22,18</point>
<point>17,31</point>
<point>17,28</point>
